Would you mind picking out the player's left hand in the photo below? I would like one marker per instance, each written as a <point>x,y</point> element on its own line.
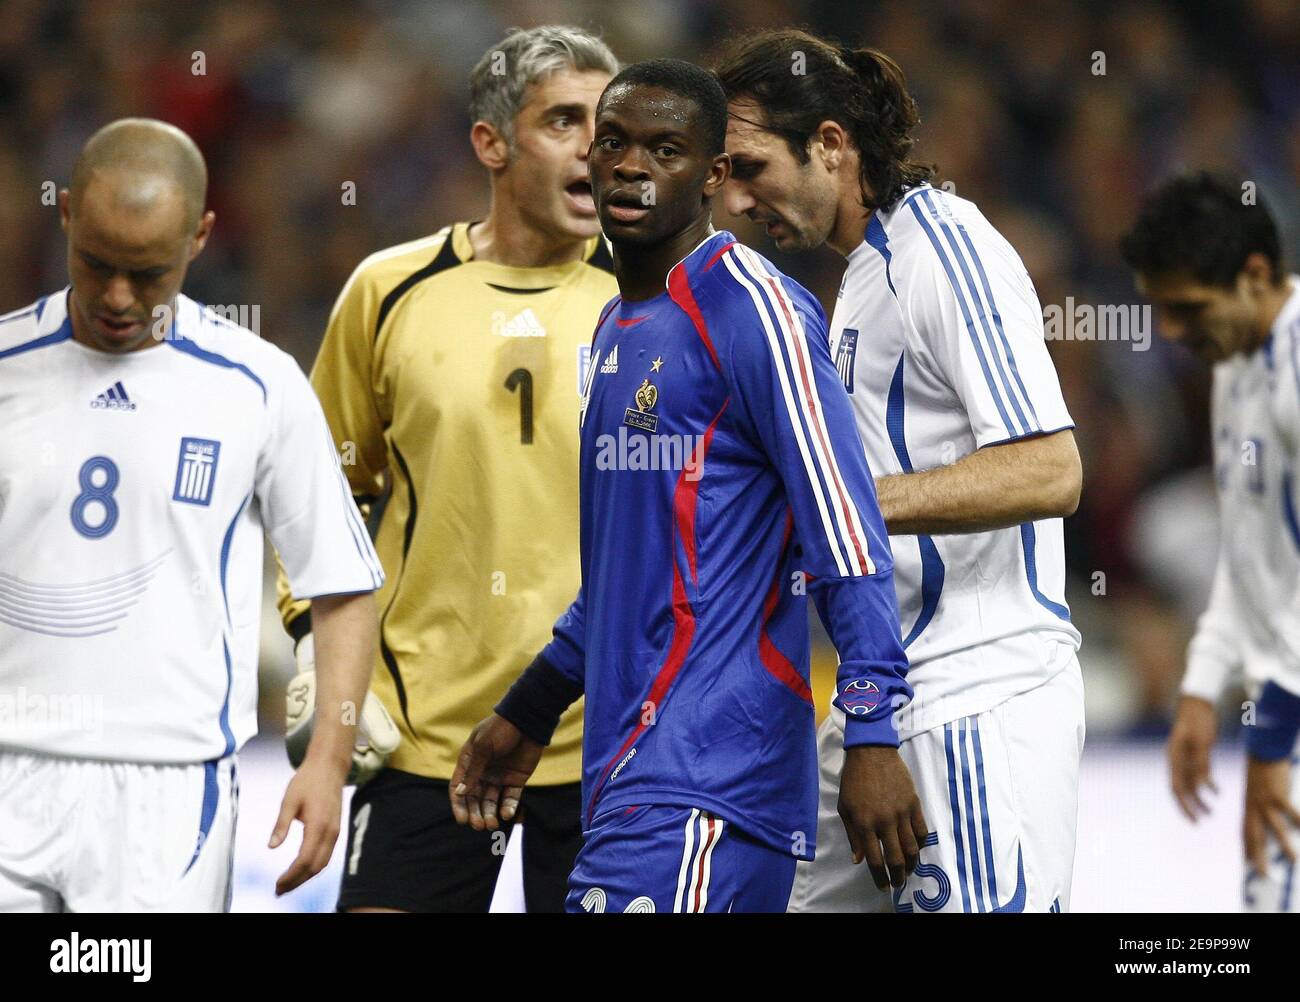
<point>314,797</point>
<point>880,810</point>
<point>1268,810</point>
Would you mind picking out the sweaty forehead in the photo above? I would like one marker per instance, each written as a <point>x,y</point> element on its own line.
<point>646,106</point>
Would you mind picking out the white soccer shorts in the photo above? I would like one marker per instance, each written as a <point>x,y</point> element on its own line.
<point>1000,795</point>
<point>84,835</point>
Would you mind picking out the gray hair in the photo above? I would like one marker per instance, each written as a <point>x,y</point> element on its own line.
<point>525,56</point>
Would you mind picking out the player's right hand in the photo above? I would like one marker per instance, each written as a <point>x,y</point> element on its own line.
<point>315,798</point>
<point>881,811</point>
<point>492,768</point>
<point>1190,742</point>
<point>1269,813</point>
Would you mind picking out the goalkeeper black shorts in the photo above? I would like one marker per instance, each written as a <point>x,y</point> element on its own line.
<point>406,851</point>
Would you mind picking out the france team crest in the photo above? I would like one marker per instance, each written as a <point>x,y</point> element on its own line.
<point>196,471</point>
<point>844,356</point>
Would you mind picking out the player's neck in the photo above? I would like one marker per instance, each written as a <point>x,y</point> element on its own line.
<point>642,269</point>
<point>504,237</point>
<point>851,220</point>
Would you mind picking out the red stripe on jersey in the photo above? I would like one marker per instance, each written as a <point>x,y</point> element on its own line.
<point>718,253</point>
<point>777,664</point>
<point>687,494</point>
<point>683,632</point>
<point>815,419</point>
<point>684,498</point>
<point>679,290</point>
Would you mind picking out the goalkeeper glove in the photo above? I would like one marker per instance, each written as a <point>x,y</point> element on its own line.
<point>377,735</point>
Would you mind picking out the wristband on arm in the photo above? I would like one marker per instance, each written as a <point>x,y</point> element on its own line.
<point>869,706</point>
<point>1277,724</point>
<point>538,699</point>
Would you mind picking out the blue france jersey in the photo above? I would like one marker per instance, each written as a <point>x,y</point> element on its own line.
<point>722,481</point>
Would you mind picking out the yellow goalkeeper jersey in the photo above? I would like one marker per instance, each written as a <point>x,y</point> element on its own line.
<point>452,388</point>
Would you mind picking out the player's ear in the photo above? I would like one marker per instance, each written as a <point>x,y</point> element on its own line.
<point>490,145</point>
<point>719,171</point>
<point>200,238</point>
<point>832,142</point>
<point>65,208</point>
<point>1258,272</point>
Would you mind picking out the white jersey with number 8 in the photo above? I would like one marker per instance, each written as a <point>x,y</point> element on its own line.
<point>134,493</point>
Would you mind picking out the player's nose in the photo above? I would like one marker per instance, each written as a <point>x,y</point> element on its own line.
<point>736,198</point>
<point>633,165</point>
<point>118,295</point>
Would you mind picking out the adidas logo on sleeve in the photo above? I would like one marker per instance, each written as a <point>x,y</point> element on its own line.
<point>113,399</point>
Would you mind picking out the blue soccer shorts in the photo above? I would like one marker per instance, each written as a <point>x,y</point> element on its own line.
<point>676,859</point>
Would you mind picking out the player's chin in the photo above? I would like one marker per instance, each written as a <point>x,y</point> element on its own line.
<point>120,343</point>
<point>576,216</point>
<point>791,241</point>
<point>642,232</point>
<point>622,233</point>
<point>581,227</point>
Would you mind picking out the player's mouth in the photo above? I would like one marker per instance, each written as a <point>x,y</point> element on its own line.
<point>625,206</point>
<point>578,195</point>
<point>770,225</point>
<point>116,328</point>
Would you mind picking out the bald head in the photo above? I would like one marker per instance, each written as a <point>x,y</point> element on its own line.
<point>140,164</point>
<point>135,220</point>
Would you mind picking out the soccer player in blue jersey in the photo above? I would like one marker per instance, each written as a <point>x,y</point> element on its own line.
<point>721,481</point>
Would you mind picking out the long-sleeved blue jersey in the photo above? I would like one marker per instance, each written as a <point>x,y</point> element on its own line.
<point>722,480</point>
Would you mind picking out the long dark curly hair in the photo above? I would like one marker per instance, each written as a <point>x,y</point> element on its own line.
<point>801,80</point>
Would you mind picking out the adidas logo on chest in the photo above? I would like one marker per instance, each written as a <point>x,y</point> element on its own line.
<point>524,324</point>
<point>113,399</point>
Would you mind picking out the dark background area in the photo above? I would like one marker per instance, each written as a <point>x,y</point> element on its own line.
<point>296,99</point>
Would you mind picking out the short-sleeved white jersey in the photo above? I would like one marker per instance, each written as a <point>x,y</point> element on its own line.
<point>134,492</point>
<point>1252,623</point>
<point>938,335</point>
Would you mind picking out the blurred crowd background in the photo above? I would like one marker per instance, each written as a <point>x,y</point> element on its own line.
<point>1054,116</point>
